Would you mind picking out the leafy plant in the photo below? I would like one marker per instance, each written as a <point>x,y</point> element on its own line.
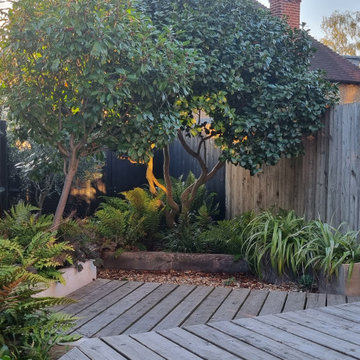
<point>224,237</point>
<point>89,74</point>
<point>28,329</point>
<point>131,221</point>
<point>81,234</point>
<point>202,197</point>
<point>23,226</point>
<point>278,238</point>
<point>23,223</point>
<point>254,82</point>
<point>332,247</point>
<point>184,237</point>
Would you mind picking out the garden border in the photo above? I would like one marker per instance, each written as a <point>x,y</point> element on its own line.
<point>166,261</point>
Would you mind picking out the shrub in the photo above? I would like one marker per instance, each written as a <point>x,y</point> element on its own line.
<point>278,238</point>
<point>179,185</point>
<point>224,237</point>
<point>129,222</point>
<point>22,226</point>
<point>22,223</point>
<point>330,247</point>
<point>28,330</point>
<point>81,234</point>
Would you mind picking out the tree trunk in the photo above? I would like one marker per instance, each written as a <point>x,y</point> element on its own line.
<point>71,172</point>
<point>174,207</point>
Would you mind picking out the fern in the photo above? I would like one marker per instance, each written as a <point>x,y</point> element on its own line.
<point>132,221</point>
<point>27,328</point>
<point>22,223</point>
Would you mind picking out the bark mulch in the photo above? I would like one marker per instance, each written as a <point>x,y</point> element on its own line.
<point>235,280</point>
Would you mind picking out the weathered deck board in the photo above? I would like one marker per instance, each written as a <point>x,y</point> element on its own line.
<point>107,308</point>
<point>74,353</point>
<point>164,347</point>
<point>229,343</point>
<point>93,296</point>
<point>333,299</point>
<point>262,338</point>
<point>158,312</point>
<point>313,335</point>
<point>328,333</point>
<point>230,306</point>
<point>185,308</point>
<point>131,348</point>
<point>196,345</point>
<point>271,346</point>
<point>291,340</point>
<point>111,299</point>
<point>295,301</point>
<point>110,313</point>
<point>315,300</point>
<point>83,291</point>
<point>97,349</point>
<point>208,307</point>
<point>253,304</point>
<point>321,325</point>
<point>274,303</point>
<point>122,322</point>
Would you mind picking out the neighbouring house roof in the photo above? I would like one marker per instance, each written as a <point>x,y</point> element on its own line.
<point>354,59</point>
<point>336,67</point>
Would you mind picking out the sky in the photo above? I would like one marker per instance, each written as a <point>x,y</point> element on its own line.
<point>313,11</point>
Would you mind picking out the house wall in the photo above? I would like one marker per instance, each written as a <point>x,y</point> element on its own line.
<point>349,93</point>
<point>324,182</point>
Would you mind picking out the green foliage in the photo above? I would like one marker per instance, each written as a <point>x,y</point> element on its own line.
<point>23,223</point>
<point>342,32</point>
<point>332,247</point>
<point>254,81</point>
<point>39,169</point>
<point>278,238</point>
<point>202,199</point>
<point>81,234</point>
<point>184,237</point>
<point>89,73</point>
<point>28,330</point>
<point>22,227</point>
<point>224,237</point>
<point>131,221</point>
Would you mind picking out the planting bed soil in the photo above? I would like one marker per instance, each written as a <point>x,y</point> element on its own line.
<point>234,280</point>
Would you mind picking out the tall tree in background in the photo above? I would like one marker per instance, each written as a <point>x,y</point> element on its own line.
<point>78,74</point>
<point>254,82</point>
<point>342,32</point>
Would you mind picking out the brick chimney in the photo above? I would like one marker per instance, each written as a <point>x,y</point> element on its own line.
<point>288,8</point>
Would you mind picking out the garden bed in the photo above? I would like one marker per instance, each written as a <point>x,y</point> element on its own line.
<point>235,280</point>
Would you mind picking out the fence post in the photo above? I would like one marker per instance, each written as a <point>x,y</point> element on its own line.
<point>3,168</point>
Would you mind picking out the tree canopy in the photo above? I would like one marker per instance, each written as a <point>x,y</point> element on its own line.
<point>254,82</point>
<point>80,74</point>
<point>342,32</point>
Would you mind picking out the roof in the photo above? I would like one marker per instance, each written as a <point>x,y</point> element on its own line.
<point>337,68</point>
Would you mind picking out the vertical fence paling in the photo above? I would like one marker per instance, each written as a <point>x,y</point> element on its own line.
<point>3,168</point>
<point>324,182</point>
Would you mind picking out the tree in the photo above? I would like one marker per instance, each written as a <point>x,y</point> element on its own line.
<point>254,82</point>
<point>39,170</point>
<point>342,32</point>
<point>80,74</point>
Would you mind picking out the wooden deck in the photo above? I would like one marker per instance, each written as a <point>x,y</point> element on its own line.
<point>108,308</point>
<point>331,333</point>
